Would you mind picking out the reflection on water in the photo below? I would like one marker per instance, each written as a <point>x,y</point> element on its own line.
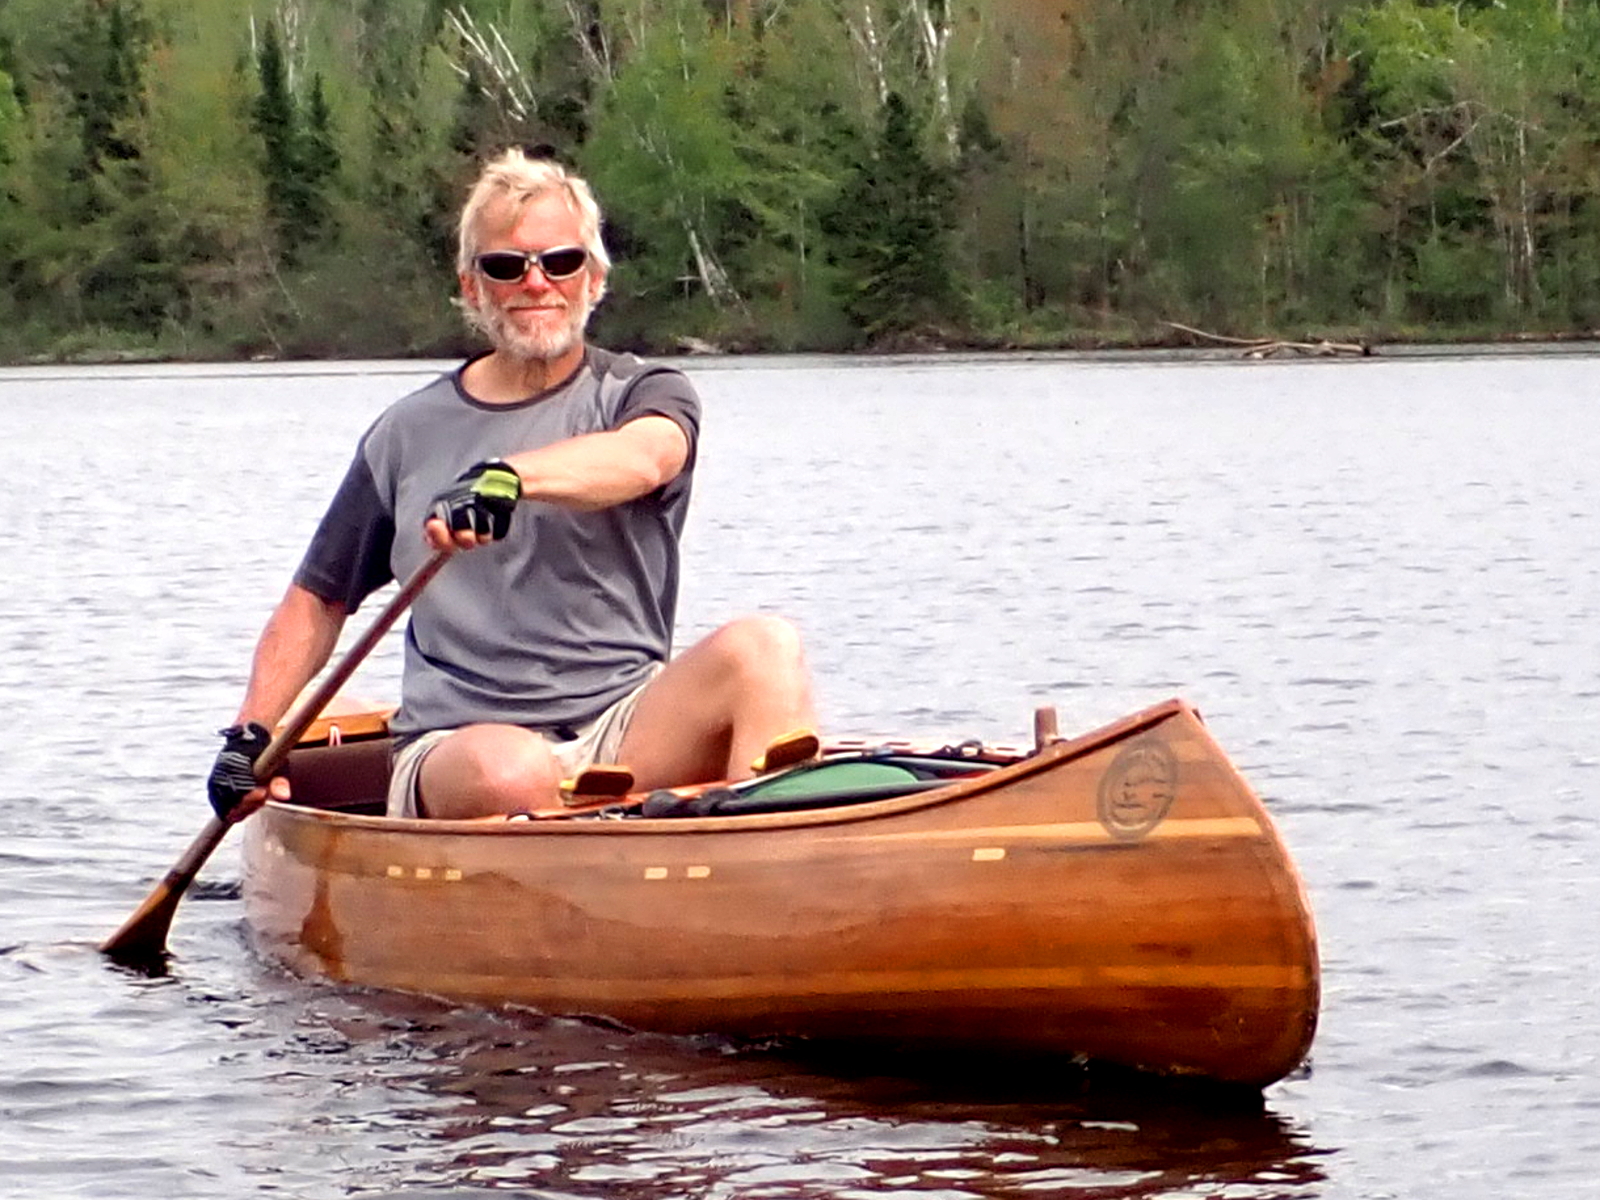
<point>506,1099</point>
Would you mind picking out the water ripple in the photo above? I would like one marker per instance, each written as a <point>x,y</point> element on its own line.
<point>1377,580</point>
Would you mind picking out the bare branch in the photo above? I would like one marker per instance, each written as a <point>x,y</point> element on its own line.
<point>596,49</point>
<point>508,85</point>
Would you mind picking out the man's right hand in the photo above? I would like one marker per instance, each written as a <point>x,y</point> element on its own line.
<point>479,503</point>
<point>233,776</point>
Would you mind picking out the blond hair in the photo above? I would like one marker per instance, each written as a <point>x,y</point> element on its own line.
<point>519,178</point>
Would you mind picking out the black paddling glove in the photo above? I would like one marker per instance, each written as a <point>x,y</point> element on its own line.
<point>233,776</point>
<point>482,499</point>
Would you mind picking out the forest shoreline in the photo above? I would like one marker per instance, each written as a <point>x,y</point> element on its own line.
<point>1170,349</point>
<point>183,181</point>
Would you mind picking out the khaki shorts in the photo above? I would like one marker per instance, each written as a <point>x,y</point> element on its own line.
<point>597,742</point>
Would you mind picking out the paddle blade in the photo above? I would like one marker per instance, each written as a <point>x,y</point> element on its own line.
<point>142,940</point>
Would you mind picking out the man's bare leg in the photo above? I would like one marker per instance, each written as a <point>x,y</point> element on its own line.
<point>714,708</point>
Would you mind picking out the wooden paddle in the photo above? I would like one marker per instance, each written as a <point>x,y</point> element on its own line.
<point>142,940</point>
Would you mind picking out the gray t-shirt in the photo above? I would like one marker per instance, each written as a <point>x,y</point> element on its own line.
<point>549,627</point>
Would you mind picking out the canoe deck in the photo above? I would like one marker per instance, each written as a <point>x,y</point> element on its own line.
<point>1121,896</point>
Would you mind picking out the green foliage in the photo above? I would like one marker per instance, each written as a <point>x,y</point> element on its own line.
<point>795,174</point>
<point>715,146</point>
<point>1454,278</point>
<point>87,232</point>
<point>663,150</point>
<point>891,235</point>
<point>11,117</point>
<point>132,280</point>
<point>318,157</point>
<point>1241,150</point>
<point>273,120</point>
<point>299,159</point>
<point>103,59</point>
<point>409,174</point>
<point>1479,142</point>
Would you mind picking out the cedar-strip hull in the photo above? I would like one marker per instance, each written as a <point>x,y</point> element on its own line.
<point>1122,896</point>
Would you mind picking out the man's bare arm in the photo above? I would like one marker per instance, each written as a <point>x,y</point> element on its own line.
<point>598,470</point>
<point>298,639</point>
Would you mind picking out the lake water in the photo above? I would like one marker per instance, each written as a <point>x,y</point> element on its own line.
<point>1378,579</point>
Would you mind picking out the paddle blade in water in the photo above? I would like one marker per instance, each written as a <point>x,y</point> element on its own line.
<point>142,940</point>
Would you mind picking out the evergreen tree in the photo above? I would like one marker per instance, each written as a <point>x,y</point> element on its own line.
<point>408,175</point>
<point>103,59</point>
<point>274,120</point>
<point>299,155</point>
<point>133,282</point>
<point>101,250</point>
<point>318,161</point>
<point>892,235</point>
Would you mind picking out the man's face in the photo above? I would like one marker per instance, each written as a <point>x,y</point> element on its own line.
<point>535,317</point>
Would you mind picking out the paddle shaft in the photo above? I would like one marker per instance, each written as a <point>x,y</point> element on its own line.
<point>142,940</point>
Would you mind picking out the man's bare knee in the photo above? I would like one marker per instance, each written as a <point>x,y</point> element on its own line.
<point>760,644</point>
<point>483,770</point>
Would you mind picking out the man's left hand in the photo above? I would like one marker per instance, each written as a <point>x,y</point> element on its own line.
<point>232,786</point>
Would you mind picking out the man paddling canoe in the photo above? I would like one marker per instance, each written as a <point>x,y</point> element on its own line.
<point>566,470</point>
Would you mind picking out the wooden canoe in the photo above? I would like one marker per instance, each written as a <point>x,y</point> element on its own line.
<point>1119,896</point>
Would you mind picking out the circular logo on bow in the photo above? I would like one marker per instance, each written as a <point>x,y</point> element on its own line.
<point>1137,789</point>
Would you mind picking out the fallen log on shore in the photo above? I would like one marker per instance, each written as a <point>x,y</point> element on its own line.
<point>1271,347</point>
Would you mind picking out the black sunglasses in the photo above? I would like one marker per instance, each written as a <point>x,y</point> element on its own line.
<point>511,266</point>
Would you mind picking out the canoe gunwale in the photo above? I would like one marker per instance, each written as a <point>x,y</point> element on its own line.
<point>1045,758</point>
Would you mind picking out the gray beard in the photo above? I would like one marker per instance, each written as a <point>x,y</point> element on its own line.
<point>542,345</point>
